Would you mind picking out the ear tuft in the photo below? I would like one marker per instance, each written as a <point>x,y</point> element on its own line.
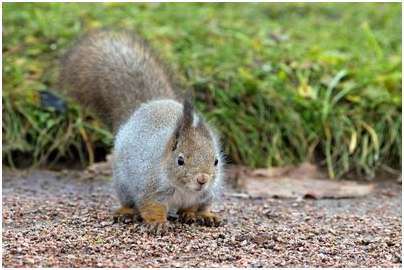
<point>184,123</point>
<point>187,114</point>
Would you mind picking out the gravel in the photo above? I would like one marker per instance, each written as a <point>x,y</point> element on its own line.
<point>54,220</point>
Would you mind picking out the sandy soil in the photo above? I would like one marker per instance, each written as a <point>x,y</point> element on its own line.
<point>51,220</point>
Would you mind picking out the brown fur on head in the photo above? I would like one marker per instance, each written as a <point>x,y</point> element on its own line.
<point>191,158</point>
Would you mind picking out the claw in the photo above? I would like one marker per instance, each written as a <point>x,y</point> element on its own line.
<point>209,219</point>
<point>187,217</point>
<point>202,218</point>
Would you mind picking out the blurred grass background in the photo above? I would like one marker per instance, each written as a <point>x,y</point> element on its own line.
<point>283,83</point>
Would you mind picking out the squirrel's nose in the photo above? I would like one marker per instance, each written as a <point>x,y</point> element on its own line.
<point>202,178</point>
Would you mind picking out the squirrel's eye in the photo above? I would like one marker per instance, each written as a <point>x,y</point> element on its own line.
<point>216,162</point>
<point>180,161</point>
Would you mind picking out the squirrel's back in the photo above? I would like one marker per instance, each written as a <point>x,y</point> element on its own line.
<point>113,73</point>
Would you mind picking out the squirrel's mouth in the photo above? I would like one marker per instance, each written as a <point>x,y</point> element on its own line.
<point>200,188</point>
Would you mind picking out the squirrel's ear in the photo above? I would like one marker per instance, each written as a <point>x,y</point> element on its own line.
<point>184,123</point>
<point>187,114</point>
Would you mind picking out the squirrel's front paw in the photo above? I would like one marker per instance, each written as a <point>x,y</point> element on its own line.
<point>208,219</point>
<point>205,218</point>
<point>187,217</point>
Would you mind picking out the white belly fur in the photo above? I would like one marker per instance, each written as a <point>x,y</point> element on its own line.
<point>182,199</point>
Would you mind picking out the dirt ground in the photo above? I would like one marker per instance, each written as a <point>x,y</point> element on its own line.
<point>53,220</point>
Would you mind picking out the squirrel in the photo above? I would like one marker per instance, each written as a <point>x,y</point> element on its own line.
<point>167,158</point>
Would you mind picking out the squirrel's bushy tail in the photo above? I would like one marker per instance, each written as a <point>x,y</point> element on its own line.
<point>112,73</point>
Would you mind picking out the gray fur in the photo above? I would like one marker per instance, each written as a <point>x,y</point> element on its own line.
<point>139,168</point>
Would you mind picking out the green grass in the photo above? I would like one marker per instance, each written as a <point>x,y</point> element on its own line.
<point>283,83</point>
